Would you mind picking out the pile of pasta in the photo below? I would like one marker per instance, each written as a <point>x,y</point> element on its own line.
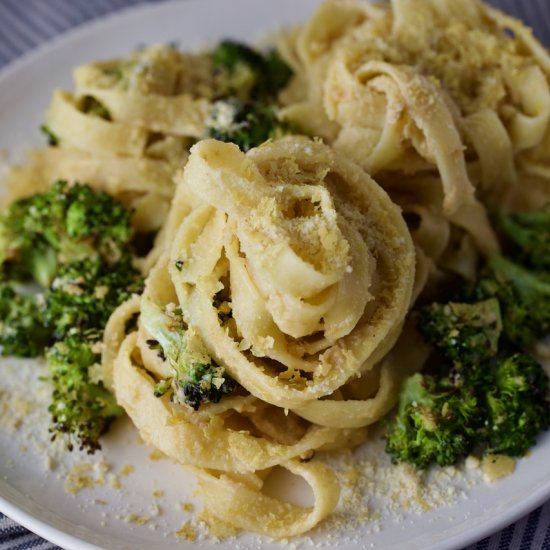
<point>316,266</point>
<point>296,264</point>
<point>446,103</point>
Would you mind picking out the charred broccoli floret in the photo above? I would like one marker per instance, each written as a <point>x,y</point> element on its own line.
<point>77,306</point>
<point>63,224</point>
<point>524,298</point>
<point>82,408</point>
<point>497,407</point>
<point>85,293</point>
<point>496,397</point>
<point>517,406</point>
<point>434,424</point>
<point>22,330</point>
<point>245,124</point>
<point>247,84</point>
<point>465,333</point>
<point>244,73</point>
<point>74,242</point>
<point>528,234</point>
<point>196,379</point>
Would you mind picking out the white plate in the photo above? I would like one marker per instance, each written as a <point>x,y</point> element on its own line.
<point>35,498</point>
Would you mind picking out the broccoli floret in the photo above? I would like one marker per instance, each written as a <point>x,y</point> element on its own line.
<point>82,297</point>
<point>528,233</point>
<point>196,379</point>
<point>77,240</point>
<point>497,407</point>
<point>247,84</point>
<point>22,330</point>
<point>245,124</point>
<point>85,293</point>
<point>77,306</point>
<point>278,74</point>
<point>433,423</point>
<point>65,223</point>
<point>465,333</point>
<point>242,72</point>
<point>518,410</point>
<point>482,397</point>
<point>237,69</point>
<point>82,409</point>
<point>507,309</point>
<point>524,298</point>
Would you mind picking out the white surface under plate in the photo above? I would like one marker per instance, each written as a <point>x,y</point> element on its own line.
<point>31,479</point>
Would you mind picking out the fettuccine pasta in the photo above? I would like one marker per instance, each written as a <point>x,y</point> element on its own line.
<point>293,267</point>
<point>295,335</point>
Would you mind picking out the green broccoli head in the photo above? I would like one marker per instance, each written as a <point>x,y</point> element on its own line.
<point>63,224</point>
<point>278,73</point>
<point>22,330</point>
<point>517,405</point>
<point>74,242</point>
<point>196,379</point>
<point>85,293</point>
<point>464,333</point>
<point>528,234</point>
<point>506,309</point>
<point>82,408</point>
<point>241,72</point>
<point>237,68</point>
<point>433,424</point>
<point>524,298</point>
<point>245,124</point>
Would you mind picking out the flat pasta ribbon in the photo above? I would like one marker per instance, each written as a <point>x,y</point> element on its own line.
<point>385,111</point>
<point>250,509</point>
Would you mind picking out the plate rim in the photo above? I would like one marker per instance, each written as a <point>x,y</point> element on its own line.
<point>44,529</point>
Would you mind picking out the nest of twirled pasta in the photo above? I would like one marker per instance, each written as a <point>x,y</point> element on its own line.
<point>293,271</point>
